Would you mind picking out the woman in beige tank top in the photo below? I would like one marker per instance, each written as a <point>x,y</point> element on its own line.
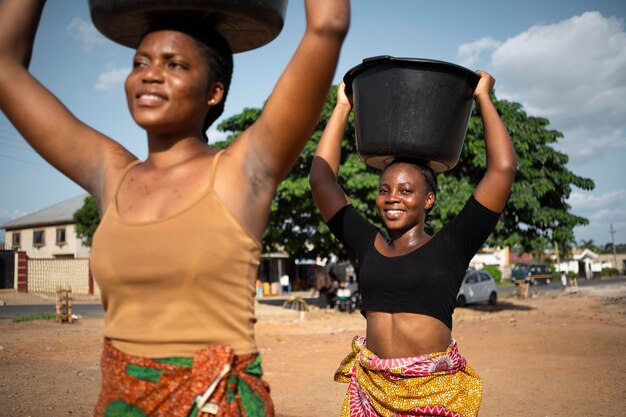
<point>175,90</point>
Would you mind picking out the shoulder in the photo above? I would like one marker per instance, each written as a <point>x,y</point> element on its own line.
<point>352,229</point>
<point>471,212</point>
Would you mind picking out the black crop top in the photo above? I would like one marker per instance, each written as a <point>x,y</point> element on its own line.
<point>424,281</point>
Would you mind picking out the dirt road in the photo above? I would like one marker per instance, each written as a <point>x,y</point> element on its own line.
<point>552,355</point>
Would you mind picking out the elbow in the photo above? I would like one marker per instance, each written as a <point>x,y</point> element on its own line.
<point>315,180</point>
<point>505,163</point>
<point>318,180</point>
<point>508,169</point>
<point>321,175</point>
<point>333,24</point>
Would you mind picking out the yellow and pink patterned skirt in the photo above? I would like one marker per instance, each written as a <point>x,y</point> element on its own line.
<point>438,384</point>
<point>215,382</point>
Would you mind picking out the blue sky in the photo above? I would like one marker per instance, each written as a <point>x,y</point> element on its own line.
<point>564,60</point>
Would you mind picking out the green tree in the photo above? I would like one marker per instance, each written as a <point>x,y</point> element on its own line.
<point>537,213</point>
<point>591,245</point>
<point>295,224</point>
<point>87,220</point>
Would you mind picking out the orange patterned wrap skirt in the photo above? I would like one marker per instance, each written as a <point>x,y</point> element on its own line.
<point>215,382</point>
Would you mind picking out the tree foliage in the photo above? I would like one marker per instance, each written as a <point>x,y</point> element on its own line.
<point>536,216</point>
<point>87,220</point>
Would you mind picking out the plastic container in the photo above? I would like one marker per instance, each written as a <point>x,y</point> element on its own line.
<point>245,24</point>
<point>411,107</point>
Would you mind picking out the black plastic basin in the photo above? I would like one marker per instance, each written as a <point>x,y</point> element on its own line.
<point>411,107</point>
<point>245,24</point>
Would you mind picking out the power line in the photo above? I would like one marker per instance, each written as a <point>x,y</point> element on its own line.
<point>21,160</point>
<point>23,148</point>
<point>13,135</point>
<point>11,139</point>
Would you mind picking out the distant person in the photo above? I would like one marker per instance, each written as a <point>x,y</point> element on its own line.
<point>285,285</point>
<point>179,316</point>
<point>563,280</point>
<point>322,285</point>
<point>353,285</point>
<point>408,363</point>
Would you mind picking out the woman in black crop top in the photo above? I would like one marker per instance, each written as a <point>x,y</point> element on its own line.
<point>176,88</point>
<point>408,279</point>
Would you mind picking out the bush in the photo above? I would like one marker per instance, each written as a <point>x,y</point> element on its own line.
<point>608,272</point>
<point>494,271</point>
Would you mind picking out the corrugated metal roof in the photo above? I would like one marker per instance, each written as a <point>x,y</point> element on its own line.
<point>62,212</point>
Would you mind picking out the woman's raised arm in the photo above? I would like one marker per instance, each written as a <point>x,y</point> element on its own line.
<point>294,107</point>
<point>493,190</point>
<point>327,193</point>
<point>73,148</point>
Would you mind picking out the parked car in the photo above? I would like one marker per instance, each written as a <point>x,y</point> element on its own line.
<point>531,273</point>
<point>477,286</point>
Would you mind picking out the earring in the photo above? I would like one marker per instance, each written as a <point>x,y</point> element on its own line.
<point>211,101</point>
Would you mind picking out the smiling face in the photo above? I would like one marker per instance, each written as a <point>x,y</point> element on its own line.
<point>403,197</point>
<point>168,90</point>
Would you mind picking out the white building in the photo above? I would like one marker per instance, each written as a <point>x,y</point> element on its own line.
<point>48,233</point>
<point>588,264</point>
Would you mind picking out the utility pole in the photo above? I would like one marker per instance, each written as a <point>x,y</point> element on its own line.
<point>613,241</point>
<point>558,258</point>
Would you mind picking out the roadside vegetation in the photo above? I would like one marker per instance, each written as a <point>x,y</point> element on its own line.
<point>34,316</point>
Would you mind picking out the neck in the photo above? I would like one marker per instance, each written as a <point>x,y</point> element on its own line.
<point>164,152</point>
<point>408,239</point>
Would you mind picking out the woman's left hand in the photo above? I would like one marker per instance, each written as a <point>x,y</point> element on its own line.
<point>485,85</point>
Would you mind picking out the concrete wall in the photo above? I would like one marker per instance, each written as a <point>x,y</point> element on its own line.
<point>46,275</point>
<point>610,260</point>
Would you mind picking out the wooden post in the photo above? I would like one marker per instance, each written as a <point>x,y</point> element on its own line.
<point>64,304</point>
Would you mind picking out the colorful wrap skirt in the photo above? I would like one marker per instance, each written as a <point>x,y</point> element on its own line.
<point>438,384</point>
<point>215,382</point>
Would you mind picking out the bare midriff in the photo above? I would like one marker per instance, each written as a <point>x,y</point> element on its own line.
<point>402,335</point>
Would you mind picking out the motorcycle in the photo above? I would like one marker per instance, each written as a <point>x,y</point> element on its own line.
<point>347,299</point>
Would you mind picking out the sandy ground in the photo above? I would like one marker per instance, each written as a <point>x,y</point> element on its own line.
<point>552,355</point>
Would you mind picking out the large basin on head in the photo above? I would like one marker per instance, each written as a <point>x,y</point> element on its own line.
<point>245,24</point>
<point>411,107</point>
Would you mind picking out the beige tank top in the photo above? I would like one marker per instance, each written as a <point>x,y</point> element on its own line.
<point>174,286</point>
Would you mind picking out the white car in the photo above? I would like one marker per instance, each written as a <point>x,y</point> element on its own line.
<point>477,286</point>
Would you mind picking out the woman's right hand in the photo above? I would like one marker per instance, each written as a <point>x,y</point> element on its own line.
<point>342,98</point>
<point>78,151</point>
<point>327,193</point>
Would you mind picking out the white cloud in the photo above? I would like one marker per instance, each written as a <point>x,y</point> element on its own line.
<point>592,203</point>
<point>602,210</point>
<point>572,72</point>
<point>112,80</point>
<point>470,53</point>
<point>85,33</point>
